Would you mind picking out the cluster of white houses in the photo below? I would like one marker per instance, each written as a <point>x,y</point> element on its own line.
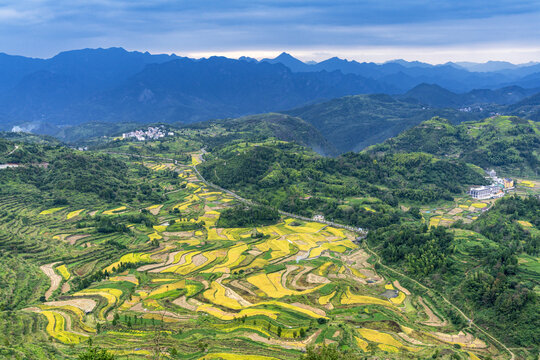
<point>497,188</point>
<point>152,133</point>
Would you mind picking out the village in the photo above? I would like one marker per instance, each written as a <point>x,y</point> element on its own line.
<point>152,133</point>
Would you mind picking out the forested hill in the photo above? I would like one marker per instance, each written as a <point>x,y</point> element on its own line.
<point>291,178</point>
<point>352,123</point>
<point>261,127</point>
<point>507,143</point>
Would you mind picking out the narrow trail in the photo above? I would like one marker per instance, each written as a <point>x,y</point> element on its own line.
<point>12,151</point>
<point>360,231</point>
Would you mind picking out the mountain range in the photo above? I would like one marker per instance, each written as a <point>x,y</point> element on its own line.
<point>114,85</point>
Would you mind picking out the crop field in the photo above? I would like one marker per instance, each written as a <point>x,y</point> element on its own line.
<point>263,292</point>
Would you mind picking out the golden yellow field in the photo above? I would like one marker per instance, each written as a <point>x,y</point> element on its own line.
<point>62,269</point>
<point>51,211</point>
<point>323,300</point>
<point>56,328</point>
<point>525,223</point>
<point>383,338</point>
<point>111,295</point>
<point>348,299</point>
<point>74,213</point>
<point>362,344</point>
<point>168,287</point>
<point>271,285</point>
<point>399,299</point>
<point>216,294</point>
<point>130,258</point>
<point>114,211</point>
<point>479,205</point>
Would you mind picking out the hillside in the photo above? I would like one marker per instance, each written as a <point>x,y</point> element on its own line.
<point>178,267</point>
<point>261,127</point>
<point>352,123</point>
<point>293,179</point>
<point>436,96</point>
<point>507,143</point>
<point>528,108</point>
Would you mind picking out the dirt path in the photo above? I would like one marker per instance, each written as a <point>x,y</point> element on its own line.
<point>230,293</point>
<point>56,279</point>
<point>401,288</point>
<point>12,151</point>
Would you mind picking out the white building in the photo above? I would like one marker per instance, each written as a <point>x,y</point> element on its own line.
<point>486,192</point>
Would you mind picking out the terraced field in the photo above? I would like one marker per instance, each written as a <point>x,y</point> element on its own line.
<point>184,286</point>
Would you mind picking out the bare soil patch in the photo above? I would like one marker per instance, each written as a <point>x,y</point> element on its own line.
<point>86,305</point>
<point>156,210</point>
<point>237,284</point>
<point>56,279</point>
<point>310,308</point>
<point>297,277</point>
<point>181,234</point>
<point>65,288</point>
<point>401,288</point>
<point>316,279</point>
<point>199,260</point>
<point>433,320</point>
<point>72,239</point>
<point>462,338</point>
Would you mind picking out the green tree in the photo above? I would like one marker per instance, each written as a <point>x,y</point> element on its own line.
<point>96,353</point>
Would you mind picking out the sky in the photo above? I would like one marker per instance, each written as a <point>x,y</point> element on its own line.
<point>432,31</point>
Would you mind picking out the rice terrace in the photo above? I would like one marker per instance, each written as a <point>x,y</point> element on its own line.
<point>269,180</point>
<point>177,279</point>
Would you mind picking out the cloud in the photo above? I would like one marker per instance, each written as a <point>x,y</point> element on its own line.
<point>252,27</point>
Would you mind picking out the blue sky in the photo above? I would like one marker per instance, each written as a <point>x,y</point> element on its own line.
<point>367,30</point>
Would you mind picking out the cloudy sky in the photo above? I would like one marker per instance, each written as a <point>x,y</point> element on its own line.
<point>367,30</point>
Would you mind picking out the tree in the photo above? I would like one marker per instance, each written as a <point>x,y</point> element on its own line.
<point>96,353</point>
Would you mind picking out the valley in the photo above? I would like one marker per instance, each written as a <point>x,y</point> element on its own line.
<point>169,264</point>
